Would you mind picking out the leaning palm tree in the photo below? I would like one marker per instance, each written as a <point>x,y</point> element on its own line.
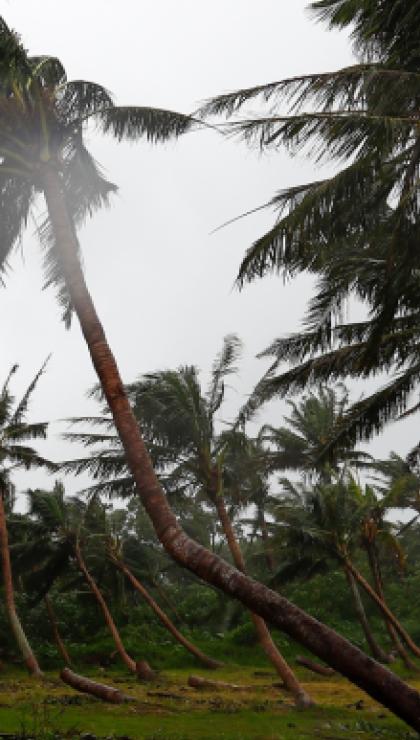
<point>42,122</point>
<point>15,433</point>
<point>179,421</point>
<point>69,521</point>
<point>318,525</point>
<point>377,533</point>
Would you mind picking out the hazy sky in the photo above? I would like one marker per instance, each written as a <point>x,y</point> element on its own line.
<point>163,284</point>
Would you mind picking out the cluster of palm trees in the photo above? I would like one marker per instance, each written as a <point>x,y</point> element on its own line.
<point>356,231</point>
<point>226,486</point>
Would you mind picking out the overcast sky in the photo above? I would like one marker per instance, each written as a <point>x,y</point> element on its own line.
<point>162,282</point>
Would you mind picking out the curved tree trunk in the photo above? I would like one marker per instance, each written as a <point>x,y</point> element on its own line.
<point>15,623</point>
<point>204,659</point>
<point>379,588</point>
<point>384,609</point>
<point>129,662</point>
<point>324,642</point>
<point>288,677</point>
<point>375,648</point>
<point>56,632</point>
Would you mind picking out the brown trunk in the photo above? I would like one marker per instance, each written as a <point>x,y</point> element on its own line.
<point>379,587</point>
<point>56,632</point>
<point>384,609</point>
<point>375,649</point>
<point>324,642</point>
<point>129,662</point>
<point>322,670</point>
<point>86,686</point>
<point>289,679</point>
<point>15,623</point>
<point>144,671</point>
<point>208,662</point>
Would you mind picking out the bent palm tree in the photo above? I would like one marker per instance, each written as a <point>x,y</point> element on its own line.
<point>179,422</point>
<point>65,520</point>
<point>323,523</point>
<point>15,433</point>
<point>41,142</point>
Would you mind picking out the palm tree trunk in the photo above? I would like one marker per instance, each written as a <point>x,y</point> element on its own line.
<point>208,662</point>
<point>289,679</point>
<point>379,587</point>
<point>384,609</point>
<point>56,632</point>
<point>375,649</point>
<point>15,623</point>
<point>129,662</point>
<point>324,642</point>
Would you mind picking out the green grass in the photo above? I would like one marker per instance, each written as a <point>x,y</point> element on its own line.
<point>169,710</point>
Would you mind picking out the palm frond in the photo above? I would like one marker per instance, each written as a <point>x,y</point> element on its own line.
<point>133,123</point>
<point>222,367</point>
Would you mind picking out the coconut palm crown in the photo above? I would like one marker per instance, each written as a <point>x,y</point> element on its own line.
<point>43,120</point>
<point>357,231</point>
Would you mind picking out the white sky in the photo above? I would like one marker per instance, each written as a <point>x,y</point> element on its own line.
<point>163,284</point>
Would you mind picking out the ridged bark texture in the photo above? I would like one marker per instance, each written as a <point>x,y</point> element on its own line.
<point>56,632</point>
<point>375,648</point>
<point>329,646</point>
<point>15,623</point>
<point>167,623</point>
<point>289,679</point>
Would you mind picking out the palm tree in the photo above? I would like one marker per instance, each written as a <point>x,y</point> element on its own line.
<point>377,532</point>
<point>357,230</point>
<point>41,142</point>
<point>296,446</point>
<point>332,519</point>
<point>68,521</point>
<point>179,422</point>
<point>319,524</point>
<point>114,552</point>
<point>15,433</point>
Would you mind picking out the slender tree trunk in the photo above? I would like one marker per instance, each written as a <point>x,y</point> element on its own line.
<point>15,623</point>
<point>384,609</point>
<point>56,632</point>
<point>379,587</point>
<point>288,677</point>
<point>324,642</point>
<point>208,662</point>
<point>127,660</point>
<point>375,649</point>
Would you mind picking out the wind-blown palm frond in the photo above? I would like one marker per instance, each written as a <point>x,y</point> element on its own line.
<point>16,432</point>
<point>223,366</point>
<point>43,117</point>
<point>132,123</point>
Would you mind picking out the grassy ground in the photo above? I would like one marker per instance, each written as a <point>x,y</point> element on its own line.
<point>169,710</point>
